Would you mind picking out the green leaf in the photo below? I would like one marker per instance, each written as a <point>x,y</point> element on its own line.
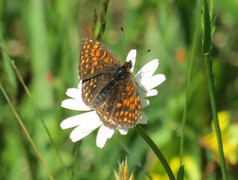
<point>181,173</point>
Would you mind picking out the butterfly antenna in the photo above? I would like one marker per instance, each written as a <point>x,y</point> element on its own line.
<point>142,54</point>
<point>139,55</point>
<point>122,31</point>
<point>123,41</point>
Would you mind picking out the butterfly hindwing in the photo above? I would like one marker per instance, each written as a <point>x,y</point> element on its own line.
<point>122,107</point>
<point>93,86</point>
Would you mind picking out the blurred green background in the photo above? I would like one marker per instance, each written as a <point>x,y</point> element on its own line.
<point>44,37</point>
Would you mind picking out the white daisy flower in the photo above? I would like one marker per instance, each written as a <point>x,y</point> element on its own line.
<point>87,122</point>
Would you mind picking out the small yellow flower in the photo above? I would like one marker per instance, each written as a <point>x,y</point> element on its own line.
<point>191,168</point>
<point>229,138</point>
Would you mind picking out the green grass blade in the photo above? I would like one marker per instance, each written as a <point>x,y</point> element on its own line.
<point>25,131</point>
<point>190,67</point>
<point>40,117</point>
<point>206,52</point>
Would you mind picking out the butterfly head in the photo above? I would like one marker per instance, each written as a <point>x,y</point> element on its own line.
<point>122,71</point>
<point>127,65</point>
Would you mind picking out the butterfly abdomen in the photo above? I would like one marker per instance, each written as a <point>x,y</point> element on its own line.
<point>104,93</point>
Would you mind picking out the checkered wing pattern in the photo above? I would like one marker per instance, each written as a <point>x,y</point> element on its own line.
<point>95,59</point>
<point>122,108</point>
<point>93,86</point>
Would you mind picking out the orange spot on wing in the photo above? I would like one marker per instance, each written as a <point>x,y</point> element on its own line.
<point>92,70</point>
<point>119,105</point>
<point>95,63</point>
<point>97,53</point>
<point>128,103</point>
<point>135,101</point>
<point>95,46</point>
<point>130,115</point>
<point>128,88</point>
<point>133,115</point>
<point>132,98</point>
<point>131,106</point>
<point>104,54</point>
<point>125,119</point>
<point>124,102</point>
<point>106,60</point>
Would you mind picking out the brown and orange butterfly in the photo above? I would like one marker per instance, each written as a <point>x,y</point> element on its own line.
<point>108,85</point>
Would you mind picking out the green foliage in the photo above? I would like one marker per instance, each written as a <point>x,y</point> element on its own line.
<point>43,38</point>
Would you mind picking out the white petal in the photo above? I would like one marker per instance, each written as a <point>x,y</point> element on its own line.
<point>80,85</point>
<point>74,104</point>
<point>104,133</point>
<point>123,131</point>
<point>152,92</point>
<point>82,131</point>
<point>109,132</point>
<point>74,93</point>
<point>143,119</point>
<point>144,102</point>
<point>153,81</point>
<point>84,119</point>
<point>132,57</point>
<point>147,70</point>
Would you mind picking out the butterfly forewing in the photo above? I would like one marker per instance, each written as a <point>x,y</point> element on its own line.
<point>95,58</point>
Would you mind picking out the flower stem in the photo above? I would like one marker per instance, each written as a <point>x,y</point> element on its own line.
<point>156,150</point>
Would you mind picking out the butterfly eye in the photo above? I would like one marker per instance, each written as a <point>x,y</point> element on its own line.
<point>128,64</point>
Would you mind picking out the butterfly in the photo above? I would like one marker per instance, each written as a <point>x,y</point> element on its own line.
<point>108,85</point>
